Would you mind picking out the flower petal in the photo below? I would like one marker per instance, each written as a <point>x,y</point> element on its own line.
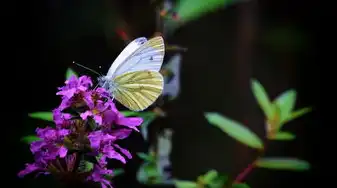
<point>63,151</point>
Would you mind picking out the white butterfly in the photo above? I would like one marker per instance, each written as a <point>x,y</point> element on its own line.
<point>133,78</point>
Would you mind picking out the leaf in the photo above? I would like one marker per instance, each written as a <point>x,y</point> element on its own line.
<point>85,166</point>
<point>47,116</point>
<point>210,176</point>
<point>235,130</point>
<point>70,72</point>
<point>240,185</point>
<point>283,136</point>
<point>219,181</point>
<point>296,114</point>
<point>145,157</point>
<point>262,98</point>
<point>283,164</point>
<point>185,184</point>
<point>286,103</point>
<point>188,10</point>
<point>117,172</point>
<point>29,139</point>
<point>129,113</point>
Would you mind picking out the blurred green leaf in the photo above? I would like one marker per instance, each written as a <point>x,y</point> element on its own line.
<point>129,113</point>
<point>47,116</point>
<point>188,10</point>
<point>210,176</point>
<point>219,181</point>
<point>29,139</point>
<point>70,72</point>
<point>262,98</point>
<point>296,114</point>
<point>185,184</point>
<point>148,173</point>
<point>117,172</point>
<point>283,136</point>
<point>235,130</point>
<point>85,166</point>
<point>286,103</point>
<point>145,157</point>
<point>283,164</point>
<point>240,185</point>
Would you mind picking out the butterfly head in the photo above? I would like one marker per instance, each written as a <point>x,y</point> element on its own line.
<point>106,83</point>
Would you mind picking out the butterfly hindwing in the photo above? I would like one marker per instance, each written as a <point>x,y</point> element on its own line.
<point>139,89</point>
<point>148,56</point>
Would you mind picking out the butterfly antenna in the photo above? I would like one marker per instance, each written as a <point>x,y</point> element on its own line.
<point>87,68</point>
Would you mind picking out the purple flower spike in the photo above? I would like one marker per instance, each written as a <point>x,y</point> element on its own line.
<point>63,148</point>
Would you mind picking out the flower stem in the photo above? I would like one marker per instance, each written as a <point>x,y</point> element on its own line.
<point>241,176</point>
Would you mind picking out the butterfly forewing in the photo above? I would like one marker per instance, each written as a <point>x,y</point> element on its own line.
<point>149,56</point>
<point>139,89</point>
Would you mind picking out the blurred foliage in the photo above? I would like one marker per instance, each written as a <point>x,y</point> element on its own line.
<point>47,116</point>
<point>277,113</point>
<point>189,10</point>
<point>283,164</point>
<point>70,72</point>
<point>285,39</point>
<point>235,130</point>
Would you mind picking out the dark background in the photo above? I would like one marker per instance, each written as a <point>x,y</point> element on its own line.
<point>222,56</point>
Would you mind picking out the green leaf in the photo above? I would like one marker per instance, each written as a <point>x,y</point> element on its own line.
<point>286,103</point>
<point>240,185</point>
<point>185,184</point>
<point>283,136</point>
<point>47,116</point>
<point>210,176</point>
<point>219,181</point>
<point>296,114</point>
<point>129,113</point>
<point>235,130</point>
<point>69,73</point>
<point>85,166</point>
<point>283,164</point>
<point>117,172</point>
<point>29,139</point>
<point>145,157</point>
<point>188,10</point>
<point>262,98</point>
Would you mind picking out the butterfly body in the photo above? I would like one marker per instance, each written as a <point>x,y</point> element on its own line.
<point>134,79</point>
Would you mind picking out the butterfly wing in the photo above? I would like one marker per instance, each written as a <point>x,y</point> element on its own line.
<point>148,56</point>
<point>139,89</point>
<point>128,50</point>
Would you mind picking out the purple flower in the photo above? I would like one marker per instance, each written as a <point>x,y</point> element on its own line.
<point>99,174</point>
<point>103,143</point>
<point>50,152</point>
<point>51,144</point>
<point>74,85</point>
<point>120,133</point>
<point>60,119</point>
<point>32,168</point>
<point>97,112</point>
